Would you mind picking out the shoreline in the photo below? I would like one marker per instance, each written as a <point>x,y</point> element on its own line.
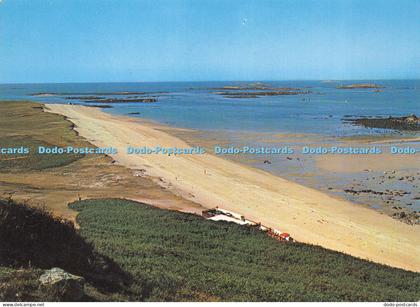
<point>51,182</point>
<point>309,215</point>
<point>388,184</point>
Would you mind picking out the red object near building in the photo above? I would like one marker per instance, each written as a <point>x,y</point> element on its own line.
<point>284,235</point>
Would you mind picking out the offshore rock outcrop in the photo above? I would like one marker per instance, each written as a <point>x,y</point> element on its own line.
<point>404,123</point>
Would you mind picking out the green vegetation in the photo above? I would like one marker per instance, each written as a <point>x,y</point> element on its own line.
<point>128,251</point>
<point>20,285</point>
<point>32,239</point>
<point>175,256</point>
<point>32,160</point>
<point>24,124</point>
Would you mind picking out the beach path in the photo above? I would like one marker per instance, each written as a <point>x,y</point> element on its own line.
<point>309,215</point>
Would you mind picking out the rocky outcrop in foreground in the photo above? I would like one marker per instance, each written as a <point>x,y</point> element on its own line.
<point>62,285</point>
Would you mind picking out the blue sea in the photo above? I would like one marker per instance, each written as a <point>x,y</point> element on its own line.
<point>306,119</point>
<point>197,105</point>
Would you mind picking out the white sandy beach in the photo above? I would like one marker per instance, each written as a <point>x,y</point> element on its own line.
<point>308,215</point>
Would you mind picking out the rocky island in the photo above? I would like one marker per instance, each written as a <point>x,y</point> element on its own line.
<point>84,94</point>
<point>257,90</point>
<point>359,85</point>
<point>404,123</point>
<point>122,100</point>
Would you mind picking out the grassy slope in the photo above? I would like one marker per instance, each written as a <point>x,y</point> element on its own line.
<point>32,239</point>
<point>176,256</point>
<point>20,284</point>
<point>56,180</point>
<point>25,124</point>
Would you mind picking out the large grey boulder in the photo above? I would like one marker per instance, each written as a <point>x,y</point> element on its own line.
<point>62,286</point>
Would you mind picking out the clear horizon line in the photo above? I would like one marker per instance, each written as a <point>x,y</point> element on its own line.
<point>202,81</point>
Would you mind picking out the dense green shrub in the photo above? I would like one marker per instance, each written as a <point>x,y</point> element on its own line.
<point>176,256</point>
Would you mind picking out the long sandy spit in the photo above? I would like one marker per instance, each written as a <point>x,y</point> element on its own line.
<point>309,215</point>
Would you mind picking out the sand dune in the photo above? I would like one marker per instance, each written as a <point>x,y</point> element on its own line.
<point>309,215</point>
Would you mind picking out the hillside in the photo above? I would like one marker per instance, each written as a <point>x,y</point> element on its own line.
<point>56,180</point>
<point>131,251</point>
<point>176,256</point>
<point>134,252</point>
<point>33,240</point>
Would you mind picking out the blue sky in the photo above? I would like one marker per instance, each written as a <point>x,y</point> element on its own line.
<point>199,40</point>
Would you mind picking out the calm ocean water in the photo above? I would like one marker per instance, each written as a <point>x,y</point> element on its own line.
<point>196,105</point>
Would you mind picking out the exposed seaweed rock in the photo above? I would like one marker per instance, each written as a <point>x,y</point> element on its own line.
<point>407,123</point>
